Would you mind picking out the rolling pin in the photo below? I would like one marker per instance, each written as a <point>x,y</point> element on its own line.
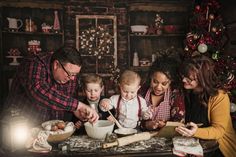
<point>130,139</point>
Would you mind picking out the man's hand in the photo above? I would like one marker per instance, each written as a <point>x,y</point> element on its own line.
<point>86,113</point>
<point>78,124</point>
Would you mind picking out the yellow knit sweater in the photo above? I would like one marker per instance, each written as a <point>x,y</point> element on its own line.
<point>221,127</point>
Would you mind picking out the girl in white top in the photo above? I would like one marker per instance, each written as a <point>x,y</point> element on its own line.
<point>130,107</point>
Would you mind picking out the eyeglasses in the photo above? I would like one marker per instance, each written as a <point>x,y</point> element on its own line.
<point>189,80</point>
<point>68,74</point>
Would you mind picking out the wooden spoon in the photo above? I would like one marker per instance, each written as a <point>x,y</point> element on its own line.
<point>116,121</point>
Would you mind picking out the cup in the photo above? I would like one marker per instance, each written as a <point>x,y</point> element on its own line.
<point>13,23</point>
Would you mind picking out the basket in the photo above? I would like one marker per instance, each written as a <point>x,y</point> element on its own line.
<point>60,136</point>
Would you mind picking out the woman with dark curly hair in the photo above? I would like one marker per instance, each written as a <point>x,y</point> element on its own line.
<point>207,103</point>
<point>162,94</point>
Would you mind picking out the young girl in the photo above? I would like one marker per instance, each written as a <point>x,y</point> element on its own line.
<point>93,87</point>
<point>129,106</point>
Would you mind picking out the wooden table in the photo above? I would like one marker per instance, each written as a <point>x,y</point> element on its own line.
<point>80,146</point>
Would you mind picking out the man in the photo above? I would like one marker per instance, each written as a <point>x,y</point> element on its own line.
<point>45,87</point>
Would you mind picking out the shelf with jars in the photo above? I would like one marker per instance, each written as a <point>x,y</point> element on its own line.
<point>28,28</point>
<point>154,29</point>
<point>27,22</point>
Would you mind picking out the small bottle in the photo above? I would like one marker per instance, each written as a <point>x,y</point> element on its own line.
<point>56,24</point>
<point>135,59</point>
<point>153,57</point>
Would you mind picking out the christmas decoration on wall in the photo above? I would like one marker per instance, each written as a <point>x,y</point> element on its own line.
<point>96,41</point>
<point>115,72</point>
<point>206,33</point>
<point>156,29</point>
<point>159,24</point>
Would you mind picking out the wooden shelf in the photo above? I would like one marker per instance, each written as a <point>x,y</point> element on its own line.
<point>165,6</point>
<point>33,4</point>
<point>162,35</point>
<point>175,16</point>
<point>31,33</point>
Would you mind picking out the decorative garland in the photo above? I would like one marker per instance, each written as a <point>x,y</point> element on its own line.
<point>96,41</point>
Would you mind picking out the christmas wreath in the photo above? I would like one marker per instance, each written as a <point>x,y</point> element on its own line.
<point>96,41</point>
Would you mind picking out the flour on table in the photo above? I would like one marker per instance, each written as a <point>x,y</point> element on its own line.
<point>85,144</point>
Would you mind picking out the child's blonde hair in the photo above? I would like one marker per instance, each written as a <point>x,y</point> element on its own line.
<point>129,77</point>
<point>92,78</point>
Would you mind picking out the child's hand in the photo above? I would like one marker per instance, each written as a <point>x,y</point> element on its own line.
<point>110,119</point>
<point>78,124</point>
<point>105,104</point>
<point>161,123</point>
<point>147,115</point>
<point>152,124</point>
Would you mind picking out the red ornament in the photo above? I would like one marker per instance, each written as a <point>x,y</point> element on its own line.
<point>197,7</point>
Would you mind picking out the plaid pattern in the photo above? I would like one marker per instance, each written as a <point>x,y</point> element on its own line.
<point>162,111</point>
<point>35,91</point>
<point>171,108</point>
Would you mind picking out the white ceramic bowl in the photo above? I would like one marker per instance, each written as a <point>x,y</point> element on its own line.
<point>125,131</point>
<point>139,29</point>
<point>100,129</point>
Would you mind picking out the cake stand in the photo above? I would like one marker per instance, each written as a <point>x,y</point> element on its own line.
<point>14,62</point>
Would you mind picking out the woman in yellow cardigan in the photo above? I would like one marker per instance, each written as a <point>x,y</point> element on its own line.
<point>206,103</point>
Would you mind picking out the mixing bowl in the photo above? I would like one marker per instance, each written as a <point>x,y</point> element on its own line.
<point>100,129</point>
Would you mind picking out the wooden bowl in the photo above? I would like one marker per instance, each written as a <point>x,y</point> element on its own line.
<point>60,135</point>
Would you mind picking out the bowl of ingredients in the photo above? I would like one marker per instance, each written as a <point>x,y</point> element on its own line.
<point>59,130</point>
<point>100,129</point>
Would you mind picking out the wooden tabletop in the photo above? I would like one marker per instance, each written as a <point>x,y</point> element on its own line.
<point>82,145</point>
